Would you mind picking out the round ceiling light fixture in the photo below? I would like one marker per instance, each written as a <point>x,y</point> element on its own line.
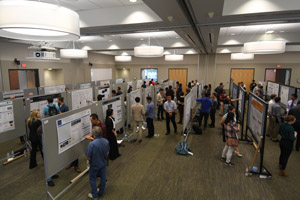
<point>39,21</point>
<point>242,56</point>
<point>149,51</point>
<point>265,47</point>
<point>123,58</point>
<point>174,57</point>
<point>73,53</point>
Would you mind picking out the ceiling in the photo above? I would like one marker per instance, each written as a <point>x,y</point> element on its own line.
<point>223,26</point>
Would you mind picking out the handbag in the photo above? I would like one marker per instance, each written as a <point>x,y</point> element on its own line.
<point>233,142</point>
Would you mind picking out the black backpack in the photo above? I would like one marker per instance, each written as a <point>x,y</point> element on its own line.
<point>52,110</point>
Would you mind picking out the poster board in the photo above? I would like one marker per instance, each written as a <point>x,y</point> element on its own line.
<point>148,92</point>
<point>129,84</point>
<point>53,160</point>
<point>194,96</point>
<point>241,109</point>
<point>120,80</point>
<point>130,102</point>
<point>40,102</point>
<point>123,87</point>
<point>187,111</point>
<point>117,104</point>
<point>30,90</point>
<point>105,82</point>
<point>257,117</point>
<point>230,87</point>
<point>7,94</point>
<point>285,93</point>
<point>272,88</point>
<point>103,91</point>
<point>86,85</point>
<point>200,89</point>
<point>79,98</point>
<point>53,89</point>
<point>235,91</point>
<point>139,84</point>
<point>12,120</point>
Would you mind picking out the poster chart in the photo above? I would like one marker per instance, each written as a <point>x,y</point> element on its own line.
<point>256,117</point>
<point>187,111</point>
<point>72,129</point>
<point>85,85</point>
<point>54,89</point>
<point>120,80</point>
<point>116,105</point>
<point>194,97</point>
<point>7,120</point>
<point>15,93</point>
<point>81,98</point>
<point>106,82</point>
<point>241,100</point>
<point>133,95</point>
<point>104,91</point>
<point>139,84</point>
<point>40,102</point>
<point>200,88</point>
<point>285,94</point>
<point>272,88</point>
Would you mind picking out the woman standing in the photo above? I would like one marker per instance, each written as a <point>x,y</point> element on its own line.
<point>188,88</point>
<point>34,125</point>
<point>111,135</point>
<point>180,102</point>
<point>288,135</point>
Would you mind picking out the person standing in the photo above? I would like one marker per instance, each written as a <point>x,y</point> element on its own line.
<point>180,102</point>
<point>257,87</point>
<point>288,135</point>
<point>170,108</point>
<point>51,109</point>
<point>149,117</point>
<point>129,89</point>
<point>119,92</point>
<point>170,92</point>
<point>144,85</point>
<point>179,90</point>
<point>291,103</point>
<point>138,113</point>
<point>97,153</point>
<point>62,106</point>
<point>271,119</point>
<point>219,90</point>
<point>160,101</point>
<point>111,135</point>
<point>252,85</point>
<point>276,113</point>
<point>213,110</point>
<point>206,103</point>
<point>295,111</point>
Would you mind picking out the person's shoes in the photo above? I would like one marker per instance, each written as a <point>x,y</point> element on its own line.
<point>223,159</point>
<point>275,140</point>
<point>69,166</point>
<point>268,135</point>
<point>33,166</point>
<point>51,183</point>
<point>175,132</point>
<point>283,173</point>
<point>162,118</point>
<point>238,154</point>
<point>134,140</point>
<point>167,133</point>
<point>90,196</point>
<point>297,149</point>
<point>77,169</point>
<point>55,176</point>
<point>211,126</point>
<point>148,136</point>
<point>230,164</point>
<point>140,141</point>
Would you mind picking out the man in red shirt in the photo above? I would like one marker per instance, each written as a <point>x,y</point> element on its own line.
<point>96,122</point>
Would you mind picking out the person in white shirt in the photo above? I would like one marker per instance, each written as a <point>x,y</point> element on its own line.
<point>256,88</point>
<point>292,103</point>
<point>271,119</point>
<point>170,108</point>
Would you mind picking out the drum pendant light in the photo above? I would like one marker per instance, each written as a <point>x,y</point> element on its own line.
<point>242,56</point>
<point>149,51</point>
<point>265,47</point>
<point>73,53</point>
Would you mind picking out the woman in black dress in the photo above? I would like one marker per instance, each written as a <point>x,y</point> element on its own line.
<point>180,102</point>
<point>34,125</point>
<point>111,135</point>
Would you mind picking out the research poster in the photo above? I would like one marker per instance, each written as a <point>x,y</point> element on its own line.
<point>256,118</point>
<point>194,96</point>
<point>241,101</point>
<point>107,82</point>
<point>54,89</point>
<point>187,110</point>
<point>15,93</point>
<point>284,94</point>
<point>39,104</point>
<point>273,88</point>
<point>72,129</point>
<point>7,120</point>
<point>81,98</point>
<point>133,95</point>
<point>85,85</point>
<point>116,105</point>
<point>104,92</point>
<point>139,84</point>
<point>120,80</point>
<point>200,90</point>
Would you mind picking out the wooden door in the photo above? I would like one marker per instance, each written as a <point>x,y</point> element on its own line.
<point>179,75</point>
<point>30,79</point>
<point>14,80</point>
<point>243,75</point>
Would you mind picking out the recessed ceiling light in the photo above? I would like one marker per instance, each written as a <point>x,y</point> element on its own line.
<point>110,40</point>
<point>282,31</point>
<point>49,69</point>
<point>271,31</point>
<point>232,34</point>
<point>132,1</point>
<point>141,39</point>
<point>177,37</point>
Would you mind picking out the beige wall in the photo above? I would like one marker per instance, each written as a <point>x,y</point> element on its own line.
<point>53,77</point>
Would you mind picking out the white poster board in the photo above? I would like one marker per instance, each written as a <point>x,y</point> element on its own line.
<point>40,106</point>
<point>187,111</point>
<point>139,84</point>
<point>81,98</point>
<point>241,99</point>
<point>200,88</point>
<point>85,85</point>
<point>54,89</point>
<point>116,105</point>
<point>72,129</point>
<point>7,121</point>
<point>101,74</point>
<point>194,96</point>
<point>284,94</point>
<point>273,88</point>
<point>133,95</point>
<point>120,80</point>
<point>105,92</point>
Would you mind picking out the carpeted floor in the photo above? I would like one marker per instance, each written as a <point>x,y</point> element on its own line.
<point>152,170</point>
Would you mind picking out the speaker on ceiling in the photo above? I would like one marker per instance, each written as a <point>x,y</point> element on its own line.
<point>17,61</point>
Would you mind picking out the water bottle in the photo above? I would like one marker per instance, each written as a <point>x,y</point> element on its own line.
<point>12,154</point>
<point>87,163</point>
<point>7,156</point>
<point>247,171</point>
<point>25,153</point>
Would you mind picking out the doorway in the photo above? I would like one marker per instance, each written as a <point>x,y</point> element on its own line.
<point>149,74</point>
<point>179,75</point>
<point>282,76</point>
<point>243,75</point>
<point>23,78</point>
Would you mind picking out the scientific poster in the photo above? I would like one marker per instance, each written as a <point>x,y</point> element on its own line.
<point>256,118</point>
<point>104,92</point>
<point>85,85</point>
<point>187,110</point>
<point>284,94</point>
<point>15,93</point>
<point>194,96</point>
<point>40,105</point>
<point>54,89</point>
<point>120,80</point>
<point>7,120</point>
<point>81,98</point>
<point>139,84</point>
<point>276,88</point>
<point>116,105</point>
<point>200,87</point>
<point>72,129</point>
<point>133,95</point>
<point>241,101</point>
<point>107,82</point>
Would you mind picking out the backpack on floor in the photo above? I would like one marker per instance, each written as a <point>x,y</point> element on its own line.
<point>52,110</point>
<point>197,129</point>
<point>182,148</point>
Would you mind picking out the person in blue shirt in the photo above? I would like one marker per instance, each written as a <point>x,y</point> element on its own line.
<point>51,109</point>
<point>97,153</point>
<point>206,104</point>
<point>149,117</point>
<point>170,108</point>
<point>62,106</point>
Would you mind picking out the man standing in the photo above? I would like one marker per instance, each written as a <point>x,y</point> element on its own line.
<point>256,88</point>
<point>119,92</point>
<point>51,109</point>
<point>170,92</point>
<point>113,93</point>
<point>219,90</point>
<point>206,103</point>
<point>271,119</point>
<point>149,117</point>
<point>295,111</point>
<point>170,108</point>
<point>276,113</point>
<point>138,113</point>
<point>291,103</point>
<point>252,85</point>
<point>179,90</point>
<point>213,110</point>
<point>97,154</point>
<point>160,100</point>
<point>62,106</point>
